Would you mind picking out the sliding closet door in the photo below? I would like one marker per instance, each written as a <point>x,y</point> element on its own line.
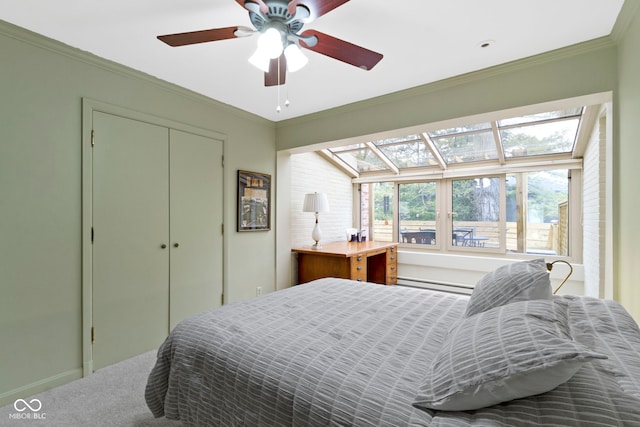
<point>195,224</point>
<point>131,238</point>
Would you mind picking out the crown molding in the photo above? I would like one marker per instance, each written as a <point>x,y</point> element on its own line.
<point>626,15</point>
<point>37,40</point>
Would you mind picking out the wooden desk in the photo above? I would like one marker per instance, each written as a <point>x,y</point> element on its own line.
<point>375,262</point>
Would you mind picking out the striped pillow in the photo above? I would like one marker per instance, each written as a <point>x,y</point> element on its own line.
<point>520,281</point>
<point>505,353</point>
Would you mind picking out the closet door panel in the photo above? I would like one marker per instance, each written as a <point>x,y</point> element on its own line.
<point>195,224</point>
<point>131,223</point>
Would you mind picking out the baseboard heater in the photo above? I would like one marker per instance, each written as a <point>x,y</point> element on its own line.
<point>454,288</point>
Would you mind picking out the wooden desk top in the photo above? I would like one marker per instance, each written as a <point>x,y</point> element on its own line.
<point>347,249</point>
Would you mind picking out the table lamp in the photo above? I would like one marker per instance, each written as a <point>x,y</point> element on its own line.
<point>316,202</point>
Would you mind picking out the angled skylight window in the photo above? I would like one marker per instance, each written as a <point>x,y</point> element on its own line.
<point>547,133</point>
<point>460,130</point>
<point>550,115</point>
<point>544,138</point>
<point>467,147</point>
<point>407,152</point>
<point>360,157</point>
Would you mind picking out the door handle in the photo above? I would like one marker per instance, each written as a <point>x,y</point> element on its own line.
<point>163,246</point>
<point>175,245</point>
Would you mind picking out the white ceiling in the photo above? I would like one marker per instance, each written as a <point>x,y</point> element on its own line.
<point>422,41</point>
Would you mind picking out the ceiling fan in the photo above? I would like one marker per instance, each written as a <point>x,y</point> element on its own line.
<point>280,22</point>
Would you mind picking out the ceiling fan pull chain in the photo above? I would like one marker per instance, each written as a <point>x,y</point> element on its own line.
<point>278,109</point>
<point>286,99</point>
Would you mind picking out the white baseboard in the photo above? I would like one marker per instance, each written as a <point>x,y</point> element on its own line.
<point>11,396</point>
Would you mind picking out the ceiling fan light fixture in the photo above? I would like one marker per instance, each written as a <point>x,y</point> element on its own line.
<point>280,24</point>
<point>270,43</point>
<point>295,58</point>
<point>260,60</point>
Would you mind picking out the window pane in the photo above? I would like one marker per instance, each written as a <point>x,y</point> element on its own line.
<point>407,154</point>
<point>551,132</point>
<point>407,138</point>
<point>476,212</point>
<point>417,213</point>
<point>365,211</point>
<point>540,116</point>
<point>543,228</point>
<point>467,148</point>
<point>351,147</point>
<point>459,129</point>
<point>545,138</point>
<point>362,160</point>
<point>382,225</point>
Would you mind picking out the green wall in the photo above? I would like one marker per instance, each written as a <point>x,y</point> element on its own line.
<point>626,170</point>
<point>42,84</point>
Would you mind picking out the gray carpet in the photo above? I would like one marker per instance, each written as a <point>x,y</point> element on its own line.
<point>112,396</point>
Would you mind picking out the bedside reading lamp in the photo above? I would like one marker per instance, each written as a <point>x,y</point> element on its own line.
<point>550,267</point>
<point>316,202</point>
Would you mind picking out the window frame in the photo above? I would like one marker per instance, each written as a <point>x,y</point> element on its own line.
<point>448,203</point>
<point>444,206</point>
<point>587,109</point>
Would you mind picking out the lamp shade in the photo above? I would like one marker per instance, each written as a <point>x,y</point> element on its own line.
<point>260,60</point>
<point>315,202</point>
<point>295,58</point>
<point>269,47</point>
<point>270,43</point>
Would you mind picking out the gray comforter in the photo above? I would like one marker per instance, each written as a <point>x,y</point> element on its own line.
<point>342,353</point>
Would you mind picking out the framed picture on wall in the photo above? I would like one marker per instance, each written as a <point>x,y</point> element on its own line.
<point>254,195</point>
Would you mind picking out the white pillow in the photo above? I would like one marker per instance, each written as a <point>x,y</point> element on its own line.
<point>505,353</point>
<point>518,281</point>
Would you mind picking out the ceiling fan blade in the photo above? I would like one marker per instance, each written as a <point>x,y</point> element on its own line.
<point>271,77</point>
<point>340,49</point>
<point>193,37</point>
<point>317,8</point>
<point>263,7</point>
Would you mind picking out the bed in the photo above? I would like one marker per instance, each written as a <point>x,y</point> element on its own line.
<point>336,352</point>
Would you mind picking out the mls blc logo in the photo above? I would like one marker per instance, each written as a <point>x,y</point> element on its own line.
<point>28,410</point>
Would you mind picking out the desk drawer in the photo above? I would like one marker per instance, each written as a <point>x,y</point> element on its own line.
<point>359,268</point>
<point>392,266</point>
<point>392,274</point>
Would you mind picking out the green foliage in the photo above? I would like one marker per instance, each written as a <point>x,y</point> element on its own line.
<point>465,200</point>
<point>418,201</point>
<point>476,199</point>
<point>560,141</point>
<point>380,191</point>
<point>547,190</point>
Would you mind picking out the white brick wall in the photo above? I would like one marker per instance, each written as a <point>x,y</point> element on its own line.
<point>593,214</point>
<point>309,173</point>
